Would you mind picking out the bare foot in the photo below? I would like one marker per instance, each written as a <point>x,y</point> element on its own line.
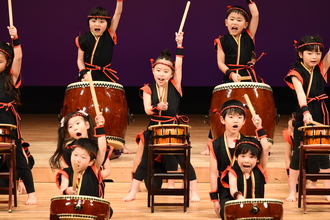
<point>205,152</point>
<point>32,199</point>
<point>291,197</point>
<point>125,150</point>
<point>21,188</point>
<point>311,185</point>
<point>195,197</point>
<point>130,196</point>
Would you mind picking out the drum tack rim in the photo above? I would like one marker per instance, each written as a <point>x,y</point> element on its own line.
<point>168,125</point>
<point>9,125</point>
<point>75,216</point>
<point>96,84</point>
<point>242,85</point>
<point>78,197</point>
<point>251,201</point>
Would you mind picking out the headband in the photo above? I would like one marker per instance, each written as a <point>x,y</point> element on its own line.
<point>98,16</point>
<point>74,146</point>
<point>5,52</point>
<point>153,64</point>
<point>231,106</point>
<point>248,142</point>
<point>230,8</point>
<point>79,113</point>
<point>306,44</point>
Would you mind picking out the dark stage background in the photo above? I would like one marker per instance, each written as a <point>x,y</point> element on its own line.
<point>47,30</point>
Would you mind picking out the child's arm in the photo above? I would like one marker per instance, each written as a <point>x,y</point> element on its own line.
<point>301,96</point>
<point>326,62</point>
<point>214,180</point>
<point>116,17</point>
<point>223,67</point>
<point>263,141</point>
<point>102,142</point>
<point>233,187</point>
<point>148,107</point>
<point>17,61</point>
<point>178,60</point>
<point>65,187</point>
<point>253,26</point>
<point>81,63</point>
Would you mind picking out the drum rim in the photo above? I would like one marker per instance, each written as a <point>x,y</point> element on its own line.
<point>242,84</point>
<point>250,201</point>
<point>9,125</point>
<point>84,216</point>
<point>80,197</point>
<point>313,126</point>
<point>168,125</point>
<point>96,84</point>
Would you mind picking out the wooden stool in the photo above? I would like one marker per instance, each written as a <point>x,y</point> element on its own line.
<point>155,150</point>
<point>305,150</point>
<point>11,190</point>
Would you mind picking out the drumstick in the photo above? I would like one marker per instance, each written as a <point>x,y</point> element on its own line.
<point>10,13</point>
<point>247,99</point>
<point>184,17</point>
<point>245,77</point>
<point>315,122</point>
<point>91,86</point>
<point>165,91</point>
<point>75,171</point>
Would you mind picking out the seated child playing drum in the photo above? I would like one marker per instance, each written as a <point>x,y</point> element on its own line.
<point>247,177</point>
<point>222,155</point>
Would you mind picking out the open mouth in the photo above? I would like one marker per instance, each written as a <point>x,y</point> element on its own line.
<point>78,134</point>
<point>234,28</point>
<point>161,79</point>
<point>235,126</point>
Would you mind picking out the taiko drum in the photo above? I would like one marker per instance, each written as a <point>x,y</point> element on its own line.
<point>169,134</point>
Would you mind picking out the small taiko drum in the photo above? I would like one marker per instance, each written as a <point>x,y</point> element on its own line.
<point>5,133</point>
<point>170,134</point>
<point>261,97</point>
<point>316,134</point>
<point>112,103</point>
<point>254,209</point>
<point>74,207</point>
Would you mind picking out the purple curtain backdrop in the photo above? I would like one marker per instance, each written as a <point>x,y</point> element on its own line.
<point>47,30</point>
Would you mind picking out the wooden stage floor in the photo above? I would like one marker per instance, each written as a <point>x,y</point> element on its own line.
<point>41,132</point>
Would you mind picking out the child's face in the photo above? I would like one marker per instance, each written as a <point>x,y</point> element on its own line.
<point>81,157</point>
<point>162,72</point>
<point>235,23</point>
<point>310,58</point>
<point>97,26</point>
<point>78,127</point>
<point>3,62</point>
<point>247,162</point>
<point>233,122</point>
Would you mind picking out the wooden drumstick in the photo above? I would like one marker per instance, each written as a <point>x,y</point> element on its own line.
<point>75,173</point>
<point>184,17</point>
<point>247,99</point>
<point>245,77</point>
<point>315,122</point>
<point>164,96</point>
<point>10,13</point>
<point>91,86</point>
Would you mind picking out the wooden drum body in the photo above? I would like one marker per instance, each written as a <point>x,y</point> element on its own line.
<point>316,135</point>
<point>261,96</point>
<point>112,103</point>
<point>74,207</point>
<point>170,134</point>
<point>254,209</point>
<point>5,133</point>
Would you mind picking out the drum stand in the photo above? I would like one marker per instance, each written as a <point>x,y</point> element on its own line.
<point>305,150</point>
<point>11,190</point>
<point>155,150</point>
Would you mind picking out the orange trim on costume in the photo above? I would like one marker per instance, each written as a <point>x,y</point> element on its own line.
<point>58,176</point>
<point>324,74</point>
<point>287,136</point>
<point>211,149</point>
<point>264,172</point>
<point>77,42</point>
<point>217,41</point>
<point>296,74</point>
<point>139,137</point>
<point>174,84</point>
<point>113,36</point>
<point>146,89</point>
<point>249,33</point>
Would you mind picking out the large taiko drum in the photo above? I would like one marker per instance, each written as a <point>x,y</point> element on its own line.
<point>74,207</point>
<point>316,134</point>
<point>5,133</point>
<point>112,103</point>
<point>169,134</point>
<point>254,209</point>
<point>261,97</point>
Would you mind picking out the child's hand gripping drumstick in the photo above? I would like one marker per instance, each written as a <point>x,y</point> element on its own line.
<point>253,113</point>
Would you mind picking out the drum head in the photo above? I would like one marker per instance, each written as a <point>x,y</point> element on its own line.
<point>8,125</point>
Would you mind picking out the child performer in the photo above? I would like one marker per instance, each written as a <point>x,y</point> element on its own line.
<point>164,71</point>
<point>77,125</point>
<point>232,115</point>
<point>247,177</point>
<point>307,79</point>
<point>235,50</point>
<point>89,156</point>
<point>95,48</point>
<point>10,80</point>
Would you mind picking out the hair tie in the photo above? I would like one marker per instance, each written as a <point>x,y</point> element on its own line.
<point>5,52</point>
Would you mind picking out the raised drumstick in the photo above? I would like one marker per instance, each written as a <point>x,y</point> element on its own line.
<point>247,99</point>
<point>10,14</point>
<point>74,179</point>
<point>91,86</point>
<point>184,17</point>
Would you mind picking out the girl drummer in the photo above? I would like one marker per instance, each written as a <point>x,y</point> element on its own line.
<point>232,115</point>
<point>165,73</point>
<point>77,125</point>
<point>101,37</point>
<point>10,80</point>
<point>235,50</point>
<point>307,79</point>
<point>247,177</point>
